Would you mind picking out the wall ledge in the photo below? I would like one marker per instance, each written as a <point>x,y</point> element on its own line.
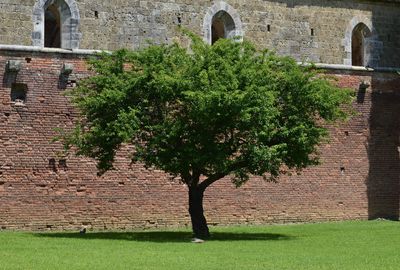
<point>21,48</point>
<point>83,52</point>
<point>355,68</point>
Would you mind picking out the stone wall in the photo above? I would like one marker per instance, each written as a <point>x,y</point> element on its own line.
<point>40,189</point>
<point>311,30</point>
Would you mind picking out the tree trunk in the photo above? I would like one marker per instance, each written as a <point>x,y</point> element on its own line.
<point>199,223</point>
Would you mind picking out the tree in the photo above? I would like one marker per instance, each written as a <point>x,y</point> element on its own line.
<point>205,113</point>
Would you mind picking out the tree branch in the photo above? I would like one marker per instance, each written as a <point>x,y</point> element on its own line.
<point>215,177</point>
<point>211,179</point>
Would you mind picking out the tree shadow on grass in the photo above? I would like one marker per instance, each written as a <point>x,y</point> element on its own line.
<point>166,236</point>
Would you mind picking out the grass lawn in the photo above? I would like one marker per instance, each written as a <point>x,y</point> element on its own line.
<point>345,245</point>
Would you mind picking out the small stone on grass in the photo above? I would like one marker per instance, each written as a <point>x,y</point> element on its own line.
<point>197,240</point>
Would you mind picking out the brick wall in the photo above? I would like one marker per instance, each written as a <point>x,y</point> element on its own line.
<point>358,178</point>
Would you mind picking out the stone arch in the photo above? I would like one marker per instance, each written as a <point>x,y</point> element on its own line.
<point>69,22</point>
<point>221,20</point>
<point>361,43</point>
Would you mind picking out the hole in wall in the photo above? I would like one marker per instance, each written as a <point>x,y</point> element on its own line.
<point>71,83</point>
<point>18,93</point>
<point>312,32</point>
<point>62,164</point>
<point>346,133</point>
<point>269,28</point>
<point>28,59</point>
<point>96,14</point>
<point>52,164</point>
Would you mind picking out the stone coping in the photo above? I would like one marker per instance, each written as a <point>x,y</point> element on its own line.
<point>353,68</point>
<point>83,52</point>
<point>38,49</point>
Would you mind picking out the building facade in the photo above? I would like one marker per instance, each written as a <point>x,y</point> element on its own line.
<point>44,45</point>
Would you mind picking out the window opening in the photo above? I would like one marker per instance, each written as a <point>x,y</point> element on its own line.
<point>222,26</point>
<point>56,24</point>
<point>218,30</point>
<point>52,27</point>
<point>18,93</point>
<point>358,45</point>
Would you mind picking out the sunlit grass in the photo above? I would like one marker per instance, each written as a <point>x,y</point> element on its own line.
<point>347,245</point>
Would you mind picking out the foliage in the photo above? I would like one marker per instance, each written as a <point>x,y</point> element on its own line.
<point>207,112</point>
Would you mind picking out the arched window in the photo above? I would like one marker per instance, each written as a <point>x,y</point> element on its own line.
<point>52,27</point>
<point>222,26</point>
<point>221,21</point>
<point>359,45</point>
<point>56,24</point>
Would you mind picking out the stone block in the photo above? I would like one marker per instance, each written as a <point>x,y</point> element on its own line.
<point>14,65</point>
<point>67,68</point>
